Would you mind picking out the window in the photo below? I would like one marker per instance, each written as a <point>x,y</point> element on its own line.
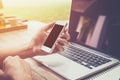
<point>42,10</point>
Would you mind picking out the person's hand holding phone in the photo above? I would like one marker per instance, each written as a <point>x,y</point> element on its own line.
<point>42,35</point>
<point>50,42</point>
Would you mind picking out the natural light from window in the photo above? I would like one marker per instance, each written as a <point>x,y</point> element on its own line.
<point>42,10</point>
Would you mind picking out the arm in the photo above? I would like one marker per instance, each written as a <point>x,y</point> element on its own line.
<point>32,48</point>
<point>23,50</point>
<point>28,49</point>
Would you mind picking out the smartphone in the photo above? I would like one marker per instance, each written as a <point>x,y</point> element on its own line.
<point>49,44</point>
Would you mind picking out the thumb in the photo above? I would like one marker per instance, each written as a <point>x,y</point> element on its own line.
<point>49,26</point>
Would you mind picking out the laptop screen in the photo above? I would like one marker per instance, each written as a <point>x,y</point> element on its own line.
<point>95,24</point>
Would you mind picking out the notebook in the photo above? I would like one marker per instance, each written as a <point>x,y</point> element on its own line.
<point>93,46</point>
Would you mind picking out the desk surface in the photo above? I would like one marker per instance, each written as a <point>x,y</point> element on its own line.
<point>110,74</point>
<point>40,72</point>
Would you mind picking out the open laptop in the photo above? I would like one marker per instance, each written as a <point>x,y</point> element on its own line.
<point>93,45</point>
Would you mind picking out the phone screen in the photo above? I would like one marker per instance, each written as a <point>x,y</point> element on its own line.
<point>53,35</point>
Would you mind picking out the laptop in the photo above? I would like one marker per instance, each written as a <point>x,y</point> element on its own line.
<point>94,44</point>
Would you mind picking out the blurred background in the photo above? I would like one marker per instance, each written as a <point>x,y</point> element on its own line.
<point>41,10</point>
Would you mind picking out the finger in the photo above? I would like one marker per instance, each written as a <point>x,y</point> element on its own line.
<point>66,29</point>
<point>16,57</point>
<point>7,59</point>
<point>62,42</point>
<point>49,26</point>
<point>59,47</point>
<point>10,58</point>
<point>6,62</point>
<point>65,36</point>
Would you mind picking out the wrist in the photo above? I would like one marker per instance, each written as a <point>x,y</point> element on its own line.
<point>30,50</point>
<point>35,49</point>
<point>25,51</point>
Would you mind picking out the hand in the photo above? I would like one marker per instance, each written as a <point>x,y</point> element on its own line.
<point>41,36</point>
<point>17,69</point>
<point>62,41</point>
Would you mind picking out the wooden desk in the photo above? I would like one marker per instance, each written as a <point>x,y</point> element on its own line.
<point>14,38</point>
<point>40,72</point>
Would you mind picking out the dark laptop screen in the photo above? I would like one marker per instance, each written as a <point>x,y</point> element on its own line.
<point>95,24</point>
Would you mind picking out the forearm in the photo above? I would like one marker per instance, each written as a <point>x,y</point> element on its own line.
<point>23,50</point>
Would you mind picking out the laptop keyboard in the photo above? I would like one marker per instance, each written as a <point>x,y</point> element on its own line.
<point>85,58</point>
